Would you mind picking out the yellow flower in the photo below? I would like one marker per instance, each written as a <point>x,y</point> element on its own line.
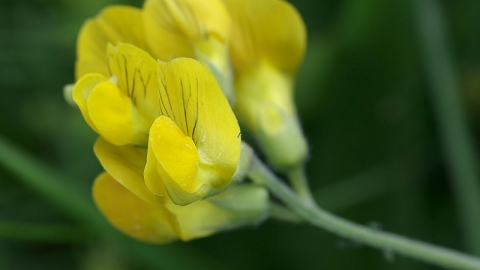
<point>170,143</point>
<point>191,28</point>
<point>124,199</point>
<point>166,29</point>
<point>266,48</point>
<point>184,28</point>
<point>176,108</point>
<point>168,140</point>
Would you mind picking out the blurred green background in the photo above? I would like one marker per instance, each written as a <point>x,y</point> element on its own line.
<point>390,147</point>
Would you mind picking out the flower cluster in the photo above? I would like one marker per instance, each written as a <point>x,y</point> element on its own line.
<point>158,85</point>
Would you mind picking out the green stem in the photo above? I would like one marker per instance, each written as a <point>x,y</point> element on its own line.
<point>279,212</point>
<point>318,217</point>
<point>300,184</point>
<point>41,232</point>
<point>457,140</point>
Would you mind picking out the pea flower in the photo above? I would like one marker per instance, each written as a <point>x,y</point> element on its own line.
<point>168,140</point>
<point>166,29</point>
<point>266,48</point>
<point>122,196</point>
<point>175,108</point>
<point>264,41</point>
<point>185,28</point>
<point>191,28</point>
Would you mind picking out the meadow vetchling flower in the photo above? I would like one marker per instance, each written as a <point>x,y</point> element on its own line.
<point>121,195</point>
<point>166,29</point>
<point>176,108</point>
<point>169,142</point>
<point>184,28</point>
<point>188,28</point>
<point>266,48</point>
<point>170,118</point>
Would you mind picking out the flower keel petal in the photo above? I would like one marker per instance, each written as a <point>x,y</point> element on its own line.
<point>175,159</point>
<point>115,116</point>
<point>81,92</point>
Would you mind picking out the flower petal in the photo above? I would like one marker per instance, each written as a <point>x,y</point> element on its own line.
<point>115,116</point>
<point>81,92</point>
<point>130,214</point>
<point>176,153</point>
<point>172,164</point>
<point>136,74</point>
<point>126,164</point>
<point>268,30</point>
<point>172,27</point>
<point>114,24</point>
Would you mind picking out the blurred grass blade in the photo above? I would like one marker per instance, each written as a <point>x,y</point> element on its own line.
<point>457,140</point>
<point>381,180</point>
<point>48,183</point>
<point>359,188</point>
<point>42,233</point>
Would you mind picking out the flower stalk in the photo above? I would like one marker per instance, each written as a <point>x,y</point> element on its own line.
<point>299,182</point>
<point>318,217</point>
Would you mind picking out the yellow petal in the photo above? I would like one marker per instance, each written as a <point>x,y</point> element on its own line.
<point>192,99</point>
<point>130,214</point>
<point>172,164</point>
<point>136,74</point>
<point>126,165</point>
<point>266,30</point>
<point>81,92</point>
<point>114,24</point>
<point>176,153</point>
<point>173,27</point>
<point>115,116</point>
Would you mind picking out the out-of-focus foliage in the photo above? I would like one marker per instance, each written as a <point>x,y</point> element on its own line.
<point>376,155</point>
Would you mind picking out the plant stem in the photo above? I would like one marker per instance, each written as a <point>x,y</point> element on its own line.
<point>300,184</point>
<point>456,137</point>
<point>318,217</point>
<point>279,212</point>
